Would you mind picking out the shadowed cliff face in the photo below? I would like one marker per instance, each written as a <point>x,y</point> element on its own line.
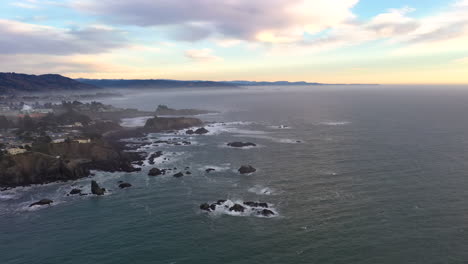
<point>158,124</point>
<point>34,168</point>
<point>62,162</point>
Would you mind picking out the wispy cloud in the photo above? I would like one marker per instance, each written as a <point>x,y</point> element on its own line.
<point>24,38</point>
<point>202,55</point>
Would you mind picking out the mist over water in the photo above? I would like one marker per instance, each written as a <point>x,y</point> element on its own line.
<point>375,174</point>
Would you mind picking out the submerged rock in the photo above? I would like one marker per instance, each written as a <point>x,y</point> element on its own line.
<point>124,185</point>
<point>95,189</point>
<point>42,202</point>
<point>155,172</point>
<point>205,207</point>
<point>178,175</point>
<point>75,191</point>
<point>188,173</point>
<point>266,212</point>
<point>241,144</point>
<point>246,169</point>
<point>209,170</point>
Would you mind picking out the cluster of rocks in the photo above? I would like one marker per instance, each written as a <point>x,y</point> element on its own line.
<point>200,131</point>
<point>259,208</point>
<point>157,172</point>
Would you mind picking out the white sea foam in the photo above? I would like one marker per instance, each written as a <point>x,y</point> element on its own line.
<point>261,190</point>
<point>223,209</point>
<point>335,123</point>
<point>221,168</point>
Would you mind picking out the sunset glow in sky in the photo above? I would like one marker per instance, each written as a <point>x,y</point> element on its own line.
<point>330,41</point>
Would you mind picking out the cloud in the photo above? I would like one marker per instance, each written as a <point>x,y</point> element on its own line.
<point>201,55</point>
<point>23,38</point>
<point>259,20</point>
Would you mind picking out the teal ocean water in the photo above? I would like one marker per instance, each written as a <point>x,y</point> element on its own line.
<point>380,175</point>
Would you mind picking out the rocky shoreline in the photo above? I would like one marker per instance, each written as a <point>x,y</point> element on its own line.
<point>72,160</point>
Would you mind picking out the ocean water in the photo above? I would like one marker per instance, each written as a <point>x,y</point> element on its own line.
<point>379,175</point>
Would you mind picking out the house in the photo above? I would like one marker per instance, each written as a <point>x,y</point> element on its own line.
<point>16,151</point>
<point>84,141</point>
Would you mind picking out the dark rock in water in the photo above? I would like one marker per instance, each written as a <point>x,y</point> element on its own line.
<point>266,212</point>
<point>220,202</point>
<point>245,169</point>
<point>201,131</point>
<point>298,141</point>
<point>187,168</point>
<point>75,191</point>
<point>124,185</point>
<point>155,172</point>
<point>209,170</point>
<point>205,207</point>
<point>188,173</point>
<point>186,142</point>
<point>42,202</point>
<point>237,208</point>
<point>213,207</point>
<point>255,204</point>
<point>178,175</point>
<point>190,132</point>
<point>241,144</point>
<point>95,189</point>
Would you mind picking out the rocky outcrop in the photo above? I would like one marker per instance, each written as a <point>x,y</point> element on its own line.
<point>159,124</point>
<point>255,204</point>
<point>241,144</point>
<point>96,189</point>
<point>209,170</point>
<point>42,202</point>
<point>246,169</point>
<point>201,131</point>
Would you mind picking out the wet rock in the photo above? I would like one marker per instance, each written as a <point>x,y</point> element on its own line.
<point>155,172</point>
<point>237,208</point>
<point>190,132</point>
<point>205,207</point>
<point>246,169</point>
<point>266,212</point>
<point>220,202</point>
<point>188,173</point>
<point>255,204</point>
<point>201,131</point>
<point>124,185</point>
<point>75,191</point>
<point>42,202</point>
<point>209,170</point>
<point>213,207</point>
<point>178,175</point>
<point>95,189</point>
<point>241,144</point>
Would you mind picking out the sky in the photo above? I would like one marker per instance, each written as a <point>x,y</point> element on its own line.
<point>328,41</point>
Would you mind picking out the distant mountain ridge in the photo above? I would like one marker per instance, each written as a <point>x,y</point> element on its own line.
<point>153,83</point>
<point>11,82</point>
<point>251,83</point>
